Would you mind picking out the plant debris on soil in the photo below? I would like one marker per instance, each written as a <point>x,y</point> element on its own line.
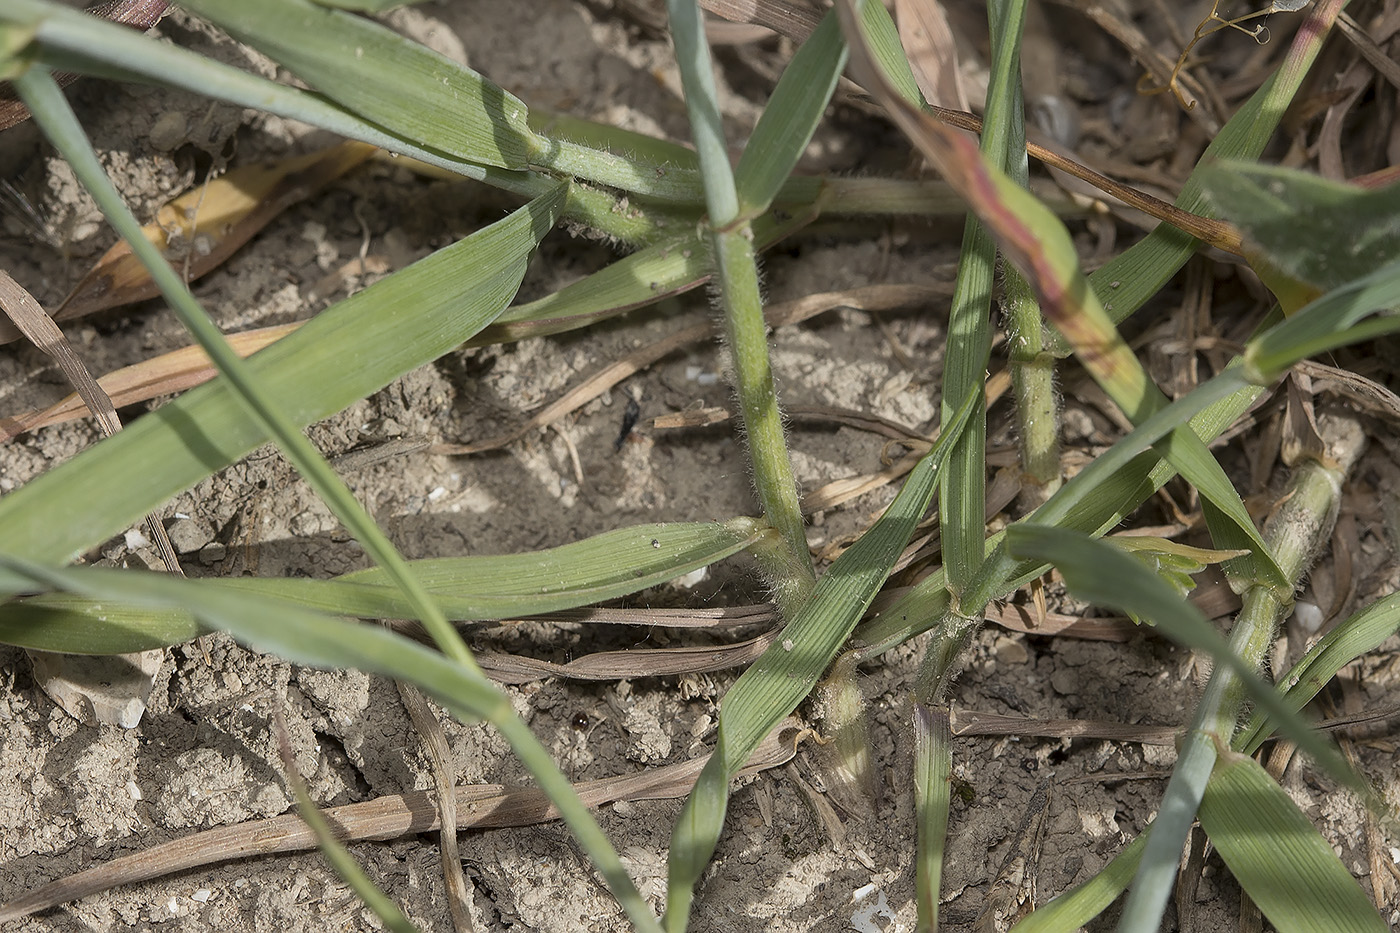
<point>798,853</point>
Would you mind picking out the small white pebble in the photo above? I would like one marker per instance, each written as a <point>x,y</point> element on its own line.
<point>202,895</point>
<point>135,540</point>
<point>691,579</point>
<point>437,494</point>
<point>865,920</point>
<point>787,644</point>
<point>1307,617</point>
<point>133,791</point>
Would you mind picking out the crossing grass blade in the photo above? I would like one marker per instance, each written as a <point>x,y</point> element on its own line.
<point>1128,280</point>
<point>383,77</point>
<point>41,94</point>
<point>1070,911</point>
<point>483,588</point>
<point>1093,501</point>
<point>312,638</point>
<point>963,493</point>
<point>1121,582</point>
<point>1305,234</point>
<point>335,852</point>
<point>732,253</point>
<point>1278,857</point>
<point>1340,317</point>
<point>1360,634</point>
<point>1101,574</point>
<point>349,351</point>
<point>790,118</point>
<point>1039,245</point>
<point>69,40</point>
<point>773,686</point>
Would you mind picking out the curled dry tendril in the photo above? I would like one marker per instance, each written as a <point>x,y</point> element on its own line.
<point>1209,26</point>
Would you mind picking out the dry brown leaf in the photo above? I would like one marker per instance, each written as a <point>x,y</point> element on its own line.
<point>197,231</point>
<point>796,21</point>
<point>628,663</point>
<point>1369,46</point>
<point>932,51</point>
<point>164,375</point>
<point>971,722</point>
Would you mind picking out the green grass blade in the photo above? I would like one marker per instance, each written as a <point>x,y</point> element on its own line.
<point>1071,910</point>
<point>1128,280</point>
<point>933,769</point>
<point>1094,501</point>
<point>1034,239</point>
<point>1278,857</point>
<point>673,265</point>
<point>343,863</point>
<point>962,498</point>
<point>733,255</point>
<point>1161,858</point>
<point>1335,319</point>
<point>74,41</point>
<point>318,640</point>
<point>1362,633</point>
<point>605,137</point>
<point>1120,581</point>
<point>790,118</point>
<point>383,77</point>
<point>1310,230</point>
<point>1104,575</point>
<point>789,567</point>
<point>78,625</point>
<point>785,673</point>
<point>702,104</point>
<point>50,110</point>
<point>483,588</point>
<point>344,354</point>
<point>663,181</point>
<point>883,38</point>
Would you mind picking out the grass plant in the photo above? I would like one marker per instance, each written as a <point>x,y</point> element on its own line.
<point>691,216</point>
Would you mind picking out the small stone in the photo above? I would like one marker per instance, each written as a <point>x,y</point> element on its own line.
<point>168,132</point>
<point>1011,650</point>
<point>189,534</point>
<point>1065,681</point>
<point>213,552</point>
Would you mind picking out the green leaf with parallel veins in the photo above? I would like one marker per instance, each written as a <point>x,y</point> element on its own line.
<point>1278,857</point>
<point>1306,235</point>
<point>383,77</point>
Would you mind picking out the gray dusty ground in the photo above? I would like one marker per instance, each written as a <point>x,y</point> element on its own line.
<point>72,795</point>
